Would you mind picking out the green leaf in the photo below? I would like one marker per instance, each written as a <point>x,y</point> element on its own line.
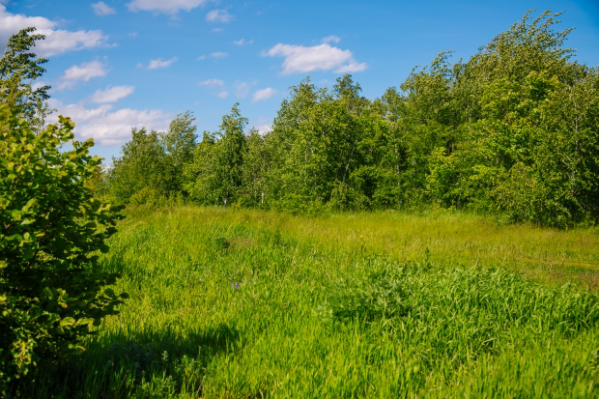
<point>47,292</point>
<point>67,321</point>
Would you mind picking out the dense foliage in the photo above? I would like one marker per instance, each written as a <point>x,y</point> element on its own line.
<point>19,67</point>
<point>52,288</point>
<point>513,130</point>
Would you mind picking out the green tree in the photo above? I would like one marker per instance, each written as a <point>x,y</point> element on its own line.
<point>216,174</point>
<point>229,157</point>
<point>285,178</point>
<point>320,137</point>
<point>140,175</point>
<point>19,67</point>
<point>256,163</point>
<point>200,174</point>
<point>484,133</point>
<point>53,291</point>
<point>178,142</point>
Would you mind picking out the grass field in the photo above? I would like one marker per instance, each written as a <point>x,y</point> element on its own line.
<point>250,304</point>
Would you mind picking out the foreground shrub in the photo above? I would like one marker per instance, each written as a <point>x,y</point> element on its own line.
<point>52,289</point>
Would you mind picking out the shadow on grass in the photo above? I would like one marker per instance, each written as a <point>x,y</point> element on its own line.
<point>152,364</point>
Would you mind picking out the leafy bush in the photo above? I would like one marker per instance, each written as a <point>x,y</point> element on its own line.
<point>147,196</point>
<point>52,289</point>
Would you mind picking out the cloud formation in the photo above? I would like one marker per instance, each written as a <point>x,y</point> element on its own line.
<point>302,59</point>
<point>58,41</point>
<point>81,73</point>
<point>160,63</point>
<point>242,42</point>
<point>102,9</point>
<point>219,16</point>
<point>242,89</point>
<point>211,82</point>
<point>331,39</point>
<point>107,126</point>
<point>218,55</point>
<point>111,94</point>
<point>164,6</point>
<point>215,84</point>
<point>263,94</point>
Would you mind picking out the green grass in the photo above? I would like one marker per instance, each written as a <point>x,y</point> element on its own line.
<point>249,304</point>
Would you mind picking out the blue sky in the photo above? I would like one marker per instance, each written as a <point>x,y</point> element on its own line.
<point>119,64</point>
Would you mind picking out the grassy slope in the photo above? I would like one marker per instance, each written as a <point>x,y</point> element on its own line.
<point>246,304</point>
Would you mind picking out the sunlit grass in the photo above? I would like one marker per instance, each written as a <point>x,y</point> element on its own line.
<point>243,304</point>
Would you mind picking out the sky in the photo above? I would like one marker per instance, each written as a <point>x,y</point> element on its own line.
<point>118,64</point>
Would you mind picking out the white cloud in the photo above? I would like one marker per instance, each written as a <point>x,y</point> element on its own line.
<point>219,16</point>
<point>111,94</point>
<point>107,126</point>
<point>102,9</point>
<point>263,94</point>
<point>211,82</point>
<point>331,39</point>
<point>164,6</point>
<point>85,71</point>
<point>242,89</point>
<point>160,63</point>
<point>58,41</point>
<point>81,73</point>
<point>242,42</point>
<point>218,55</point>
<point>217,30</point>
<point>202,57</point>
<point>215,84</point>
<point>61,41</point>
<point>322,57</point>
<point>351,67</point>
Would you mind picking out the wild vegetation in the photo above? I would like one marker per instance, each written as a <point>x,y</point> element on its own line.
<point>249,303</point>
<point>511,131</point>
<point>244,279</point>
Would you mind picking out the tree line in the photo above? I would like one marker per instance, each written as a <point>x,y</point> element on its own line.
<point>513,130</point>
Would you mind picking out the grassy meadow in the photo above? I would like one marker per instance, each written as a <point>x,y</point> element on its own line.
<point>252,304</point>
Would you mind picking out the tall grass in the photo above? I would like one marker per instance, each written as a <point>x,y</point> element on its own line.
<point>248,304</point>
